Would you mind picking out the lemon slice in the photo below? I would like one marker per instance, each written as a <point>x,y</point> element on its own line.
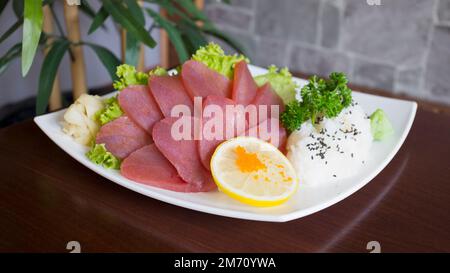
<point>253,171</point>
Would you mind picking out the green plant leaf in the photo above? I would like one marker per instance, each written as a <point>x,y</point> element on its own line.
<point>173,33</point>
<point>108,59</point>
<point>11,54</point>
<point>18,8</point>
<point>173,10</point>
<point>133,45</point>
<point>132,49</point>
<point>11,30</point>
<point>166,4</point>
<point>124,17</point>
<point>136,11</point>
<point>192,36</point>
<point>191,9</point>
<point>99,18</point>
<point>32,28</point>
<point>86,8</point>
<point>48,73</point>
<point>3,5</point>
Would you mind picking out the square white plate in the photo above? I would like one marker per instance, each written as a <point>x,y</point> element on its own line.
<point>307,200</point>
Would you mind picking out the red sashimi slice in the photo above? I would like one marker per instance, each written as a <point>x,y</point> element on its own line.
<point>266,96</point>
<point>122,137</point>
<point>201,81</point>
<point>244,87</point>
<point>148,166</point>
<point>270,130</point>
<point>137,102</point>
<point>182,153</point>
<point>169,91</point>
<point>215,128</point>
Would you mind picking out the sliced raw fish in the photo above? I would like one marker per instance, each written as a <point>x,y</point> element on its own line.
<point>182,153</point>
<point>268,97</point>
<point>148,166</point>
<point>264,132</point>
<point>244,87</point>
<point>201,81</point>
<point>169,91</point>
<point>122,137</point>
<point>137,102</point>
<point>228,128</point>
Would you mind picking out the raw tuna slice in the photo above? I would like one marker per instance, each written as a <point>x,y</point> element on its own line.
<point>202,81</point>
<point>264,131</point>
<point>122,137</point>
<point>182,153</point>
<point>148,166</point>
<point>266,96</point>
<point>139,105</point>
<point>169,91</point>
<point>244,87</point>
<point>232,124</point>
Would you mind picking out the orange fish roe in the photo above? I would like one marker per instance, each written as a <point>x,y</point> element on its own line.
<point>248,162</point>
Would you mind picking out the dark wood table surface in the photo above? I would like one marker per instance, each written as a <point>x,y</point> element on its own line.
<point>48,199</point>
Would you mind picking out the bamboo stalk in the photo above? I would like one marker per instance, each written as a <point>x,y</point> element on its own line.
<point>123,44</point>
<point>200,4</point>
<point>77,65</point>
<point>55,97</point>
<point>164,45</point>
<point>141,61</point>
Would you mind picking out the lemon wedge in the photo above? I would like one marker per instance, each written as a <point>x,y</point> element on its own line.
<point>253,171</point>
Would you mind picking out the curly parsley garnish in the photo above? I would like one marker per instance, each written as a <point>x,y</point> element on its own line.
<point>320,98</point>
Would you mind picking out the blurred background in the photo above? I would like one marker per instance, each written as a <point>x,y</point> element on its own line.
<point>400,46</point>
<point>19,93</point>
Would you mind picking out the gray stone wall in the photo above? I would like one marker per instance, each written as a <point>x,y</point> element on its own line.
<point>400,45</point>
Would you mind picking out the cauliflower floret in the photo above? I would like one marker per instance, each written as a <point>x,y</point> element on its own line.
<point>79,119</point>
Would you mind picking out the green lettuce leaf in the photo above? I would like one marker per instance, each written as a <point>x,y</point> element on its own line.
<point>100,155</point>
<point>281,81</point>
<point>158,71</point>
<point>380,125</point>
<point>128,75</point>
<point>213,56</point>
<point>110,112</point>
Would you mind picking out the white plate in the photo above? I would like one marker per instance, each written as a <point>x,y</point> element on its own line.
<point>307,200</point>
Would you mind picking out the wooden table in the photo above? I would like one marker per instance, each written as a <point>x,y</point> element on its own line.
<point>48,199</point>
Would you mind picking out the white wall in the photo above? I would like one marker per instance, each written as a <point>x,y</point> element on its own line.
<point>14,88</point>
